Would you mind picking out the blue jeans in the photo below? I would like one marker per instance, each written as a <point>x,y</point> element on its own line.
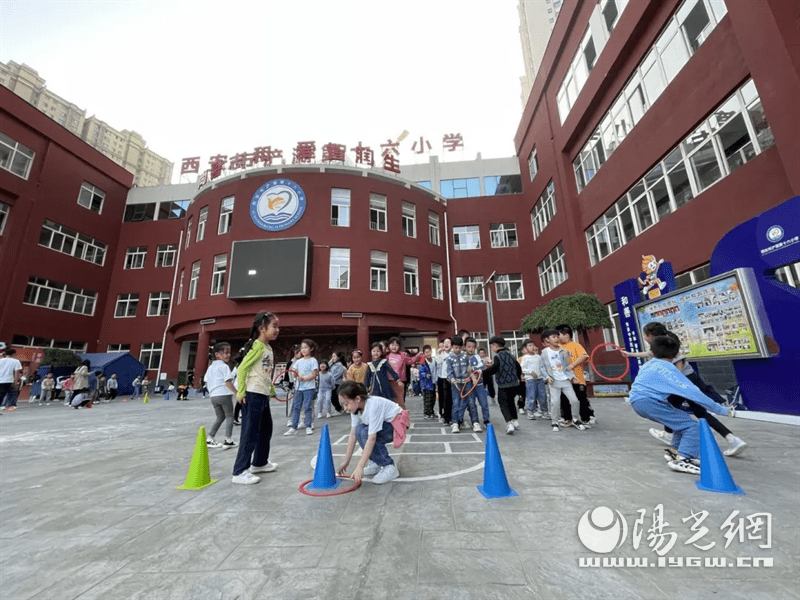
<point>482,397</point>
<point>459,404</point>
<point>380,455</point>
<point>324,401</point>
<point>302,399</point>
<point>256,433</point>
<point>685,430</point>
<point>535,392</point>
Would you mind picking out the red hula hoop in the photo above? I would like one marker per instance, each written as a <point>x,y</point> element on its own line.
<point>472,389</point>
<point>302,489</point>
<point>278,377</point>
<point>600,375</point>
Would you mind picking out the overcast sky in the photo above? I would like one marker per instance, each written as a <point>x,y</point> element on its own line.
<point>198,78</point>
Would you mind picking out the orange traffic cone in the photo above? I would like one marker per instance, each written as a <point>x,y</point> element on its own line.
<point>199,475</point>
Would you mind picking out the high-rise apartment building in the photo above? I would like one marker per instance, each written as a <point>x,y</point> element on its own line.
<point>126,148</point>
<point>536,21</point>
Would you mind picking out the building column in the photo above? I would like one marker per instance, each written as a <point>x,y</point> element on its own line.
<point>362,337</point>
<point>201,360</point>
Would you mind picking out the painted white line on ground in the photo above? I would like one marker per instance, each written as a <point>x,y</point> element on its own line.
<point>447,448</point>
<point>443,475</point>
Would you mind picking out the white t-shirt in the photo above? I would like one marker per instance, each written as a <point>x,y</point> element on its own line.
<point>8,366</point>
<point>216,376</point>
<point>304,368</point>
<point>531,366</point>
<point>376,411</point>
<point>556,366</point>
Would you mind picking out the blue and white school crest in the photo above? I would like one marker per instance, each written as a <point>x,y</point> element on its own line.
<point>775,233</point>
<point>277,205</point>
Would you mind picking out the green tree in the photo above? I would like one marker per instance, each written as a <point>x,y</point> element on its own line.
<point>581,311</point>
<point>60,358</point>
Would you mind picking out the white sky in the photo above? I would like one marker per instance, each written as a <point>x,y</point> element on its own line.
<point>197,78</point>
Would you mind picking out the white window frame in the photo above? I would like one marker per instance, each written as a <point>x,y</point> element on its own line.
<point>166,254</point>
<point>88,197</point>
<point>509,287</point>
<point>135,257</point>
<point>118,348</point>
<point>467,237</point>
<point>54,295</point>
<point>68,241</point>
<point>194,281</point>
<point>379,271</point>
<point>503,235</point>
<point>5,209</point>
<point>410,276</point>
<point>158,304</point>
<point>150,355</point>
<point>433,227</point>
<point>698,274</point>
<point>180,287</point>
<point>128,303</point>
<point>553,270</point>
<point>18,159</point>
<point>201,224</point>
<point>533,164</point>
<point>409,217</point>
<point>339,269</point>
<point>544,210</point>
<point>468,288</point>
<point>225,215</point>
<point>437,284</point>
<point>377,212</point>
<point>188,233</point>
<point>340,207</point>
<point>218,273</point>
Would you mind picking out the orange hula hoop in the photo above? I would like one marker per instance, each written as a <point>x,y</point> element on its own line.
<point>474,385</point>
<point>278,377</point>
<point>600,375</point>
<point>302,488</point>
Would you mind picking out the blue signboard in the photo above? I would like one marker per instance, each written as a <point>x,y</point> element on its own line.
<point>277,205</point>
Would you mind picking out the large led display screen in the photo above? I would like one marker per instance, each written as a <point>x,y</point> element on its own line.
<point>273,268</point>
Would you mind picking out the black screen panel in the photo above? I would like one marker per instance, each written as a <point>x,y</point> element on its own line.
<point>274,268</point>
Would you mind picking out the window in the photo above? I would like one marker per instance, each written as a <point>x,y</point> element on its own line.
<point>193,281</point>
<point>126,306</point>
<point>409,220</point>
<point>180,287</point>
<point>172,210</point>
<point>140,212</point>
<point>614,334</point>
<point>425,184</point>
<point>201,223</point>
<point>59,296</point>
<point>340,207</point>
<point>225,215</point>
<point>165,255</point>
<point>437,290</point>
<point>692,276</point>
<point>544,210</point>
<point>466,238</point>
<point>15,157</point>
<point>461,188</point>
<point>509,287</point>
<point>377,212</point>
<point>433,228</point>
<point>135,257</point>
<point>42,342</point>
<point>150,355</point>
<point>515,341</point>
<point>339,269</point>
<point>63,239</point>
<point>533,163</point>
<point>118,348</point>
<point>470,289</point>
<point>91,197</point>
<point>218,274</point>
<point>552,270</point>
<point>378,271</point>
<point>188,233</point>
<point>158,306</point>
<point>503,235</point>
<point>611,10</point>
<point>716,148</point>
<point>4,210</point>
<point>410,276</point>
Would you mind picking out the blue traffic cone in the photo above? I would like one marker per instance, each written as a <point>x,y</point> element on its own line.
<point>714,473</point>
<point>324,473</point>
<point>495,483</point>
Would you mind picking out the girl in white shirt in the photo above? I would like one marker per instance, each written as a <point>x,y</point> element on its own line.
<point>219,380</point>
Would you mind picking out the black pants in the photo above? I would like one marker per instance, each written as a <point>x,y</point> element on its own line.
<point>489,383</point>
<point>585,409</point>
<point>445,399</point>
<point>112,393</point>
<point>505,398</point>
<point>237,409</point>
<point>699,411</point>
<point>520,391</point>
<point>428,400</point>
<point>335,399</point>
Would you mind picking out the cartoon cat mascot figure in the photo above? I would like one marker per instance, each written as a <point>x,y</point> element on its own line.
<point>648,279</point>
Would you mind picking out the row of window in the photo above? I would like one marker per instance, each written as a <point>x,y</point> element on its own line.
<point>501,235</point>
<point>733,134</point>
<point>136,256</point>
<point>689,27</point>
<point>63,239</point>
<point>601,23</point>
<point>15,157</point>
<point>470,187</point>
<point>218,274</point>
<point>147,211</point>
<point>59,296</point>
<point>127,305</point>
<point>43,342</point>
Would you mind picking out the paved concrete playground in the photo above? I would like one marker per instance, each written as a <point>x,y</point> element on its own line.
<point>90,511</point>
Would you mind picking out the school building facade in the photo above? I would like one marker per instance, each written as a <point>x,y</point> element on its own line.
<point>652,128</point>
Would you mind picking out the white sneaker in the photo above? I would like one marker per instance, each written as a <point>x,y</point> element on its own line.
<point>319,415</point>
<point>661,435</point>
<point>267,468</point>
<point>371,469</point>
<point>684,465</point>
<point>212,443</point>
<point>737,447</point>
<point>292,431</point>
<point>289,423</point>
<point>515,423</point>
<point>386,474</point>
<point>537,415</point>
<point>246,478</point>
<point>510,429</point>
<point>580,426</point>
<point>530,416</point>
<point>556,429</point>
<point>327,415</point>
<point>477,427</point>
<point>592,420</point>
<point>454,428</point>
<point>309,430</point>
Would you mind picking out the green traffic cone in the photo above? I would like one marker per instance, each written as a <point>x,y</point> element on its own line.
<point>199,475</point>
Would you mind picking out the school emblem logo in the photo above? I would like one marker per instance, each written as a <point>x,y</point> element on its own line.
<point>277,205</point>
<point>775,233</point>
